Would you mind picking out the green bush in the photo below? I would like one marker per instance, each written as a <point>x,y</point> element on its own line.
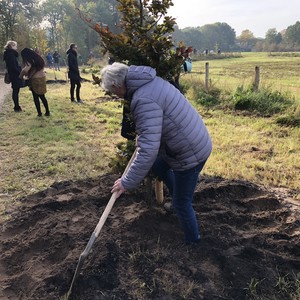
<point>264,101</point>
<point>124,153</point>
<point>184,87</point>
<point>208,98</point>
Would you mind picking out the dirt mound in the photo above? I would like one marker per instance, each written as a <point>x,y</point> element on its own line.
<point>250,245</point>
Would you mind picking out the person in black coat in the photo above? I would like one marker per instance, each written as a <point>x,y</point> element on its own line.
<point>56,58</point>
<point>73,72</point>
<point>10,57</point>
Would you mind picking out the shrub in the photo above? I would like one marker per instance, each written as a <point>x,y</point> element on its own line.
<point>124,153</point>
<point>264,101</point>
<point>185,87</point>
<point>206,98</point>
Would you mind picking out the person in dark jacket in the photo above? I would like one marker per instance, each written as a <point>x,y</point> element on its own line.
<point>33,69</point>
<point>172,138</point>
<point>56,58</point>
<point>73,72</point>
<point>10,57</point>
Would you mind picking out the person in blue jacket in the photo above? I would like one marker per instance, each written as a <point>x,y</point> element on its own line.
<point>49,58</point>
<point>10,57</point>
<point>172,138</point>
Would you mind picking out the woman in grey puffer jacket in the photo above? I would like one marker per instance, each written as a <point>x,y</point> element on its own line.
<point>171,137</point>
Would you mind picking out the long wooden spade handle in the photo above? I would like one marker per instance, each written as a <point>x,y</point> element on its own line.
<point>107,210</point>
<point>97,230</point>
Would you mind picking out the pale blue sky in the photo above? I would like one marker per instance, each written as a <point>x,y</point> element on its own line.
<point>256,15</point>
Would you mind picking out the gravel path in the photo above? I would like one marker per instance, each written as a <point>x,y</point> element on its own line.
<point>5,89</point>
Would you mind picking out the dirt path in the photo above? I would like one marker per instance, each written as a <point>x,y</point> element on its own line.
<point>5,89</point>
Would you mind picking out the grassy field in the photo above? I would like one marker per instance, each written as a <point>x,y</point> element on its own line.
<point>79,141</point>
<point>280,72</point>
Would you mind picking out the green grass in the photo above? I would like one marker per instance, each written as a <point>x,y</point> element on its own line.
<point>281,73</point>
<point>76,142</point>
<point>80,141</point>
<point>254,149</point>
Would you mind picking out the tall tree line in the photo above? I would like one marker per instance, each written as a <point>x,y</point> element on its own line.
<point>286,40</point>
<point>53,24</point>
<point>222,36</point>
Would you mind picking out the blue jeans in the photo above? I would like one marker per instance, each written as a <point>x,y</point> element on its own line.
<point>181,185</point>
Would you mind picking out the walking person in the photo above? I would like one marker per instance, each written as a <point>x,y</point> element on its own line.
<point>172,138</point>
<point>56,58</point>
<point>33,68</point>
<point>10,57</point>
<point>73,73</point>
<point>49,58</point>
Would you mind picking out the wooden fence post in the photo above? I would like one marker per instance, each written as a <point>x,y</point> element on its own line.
<point>159,191</point>
<point>257,78</point>
<point>206,76</point>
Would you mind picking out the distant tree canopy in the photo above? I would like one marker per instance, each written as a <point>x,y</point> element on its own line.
<point>210,36</point>
<point>246,40</point>
<point>53,24</point>
<point>273,37</point>
<point>11,13</point>
<point>54,12</point>
<point>292,34</point>
<point>221,35</point>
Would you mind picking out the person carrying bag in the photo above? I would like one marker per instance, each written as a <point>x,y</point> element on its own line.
<point>10,56</point>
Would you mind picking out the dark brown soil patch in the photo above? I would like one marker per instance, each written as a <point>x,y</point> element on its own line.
<point>250,245</point>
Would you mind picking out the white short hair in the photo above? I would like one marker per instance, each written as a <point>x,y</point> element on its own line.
<point>10,44</point>
<point>113,76</point>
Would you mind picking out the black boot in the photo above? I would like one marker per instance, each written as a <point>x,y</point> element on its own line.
<point>18,109</point>
<point>45,103</point>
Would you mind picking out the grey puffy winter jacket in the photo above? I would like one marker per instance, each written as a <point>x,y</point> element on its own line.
<point>166,123</point>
